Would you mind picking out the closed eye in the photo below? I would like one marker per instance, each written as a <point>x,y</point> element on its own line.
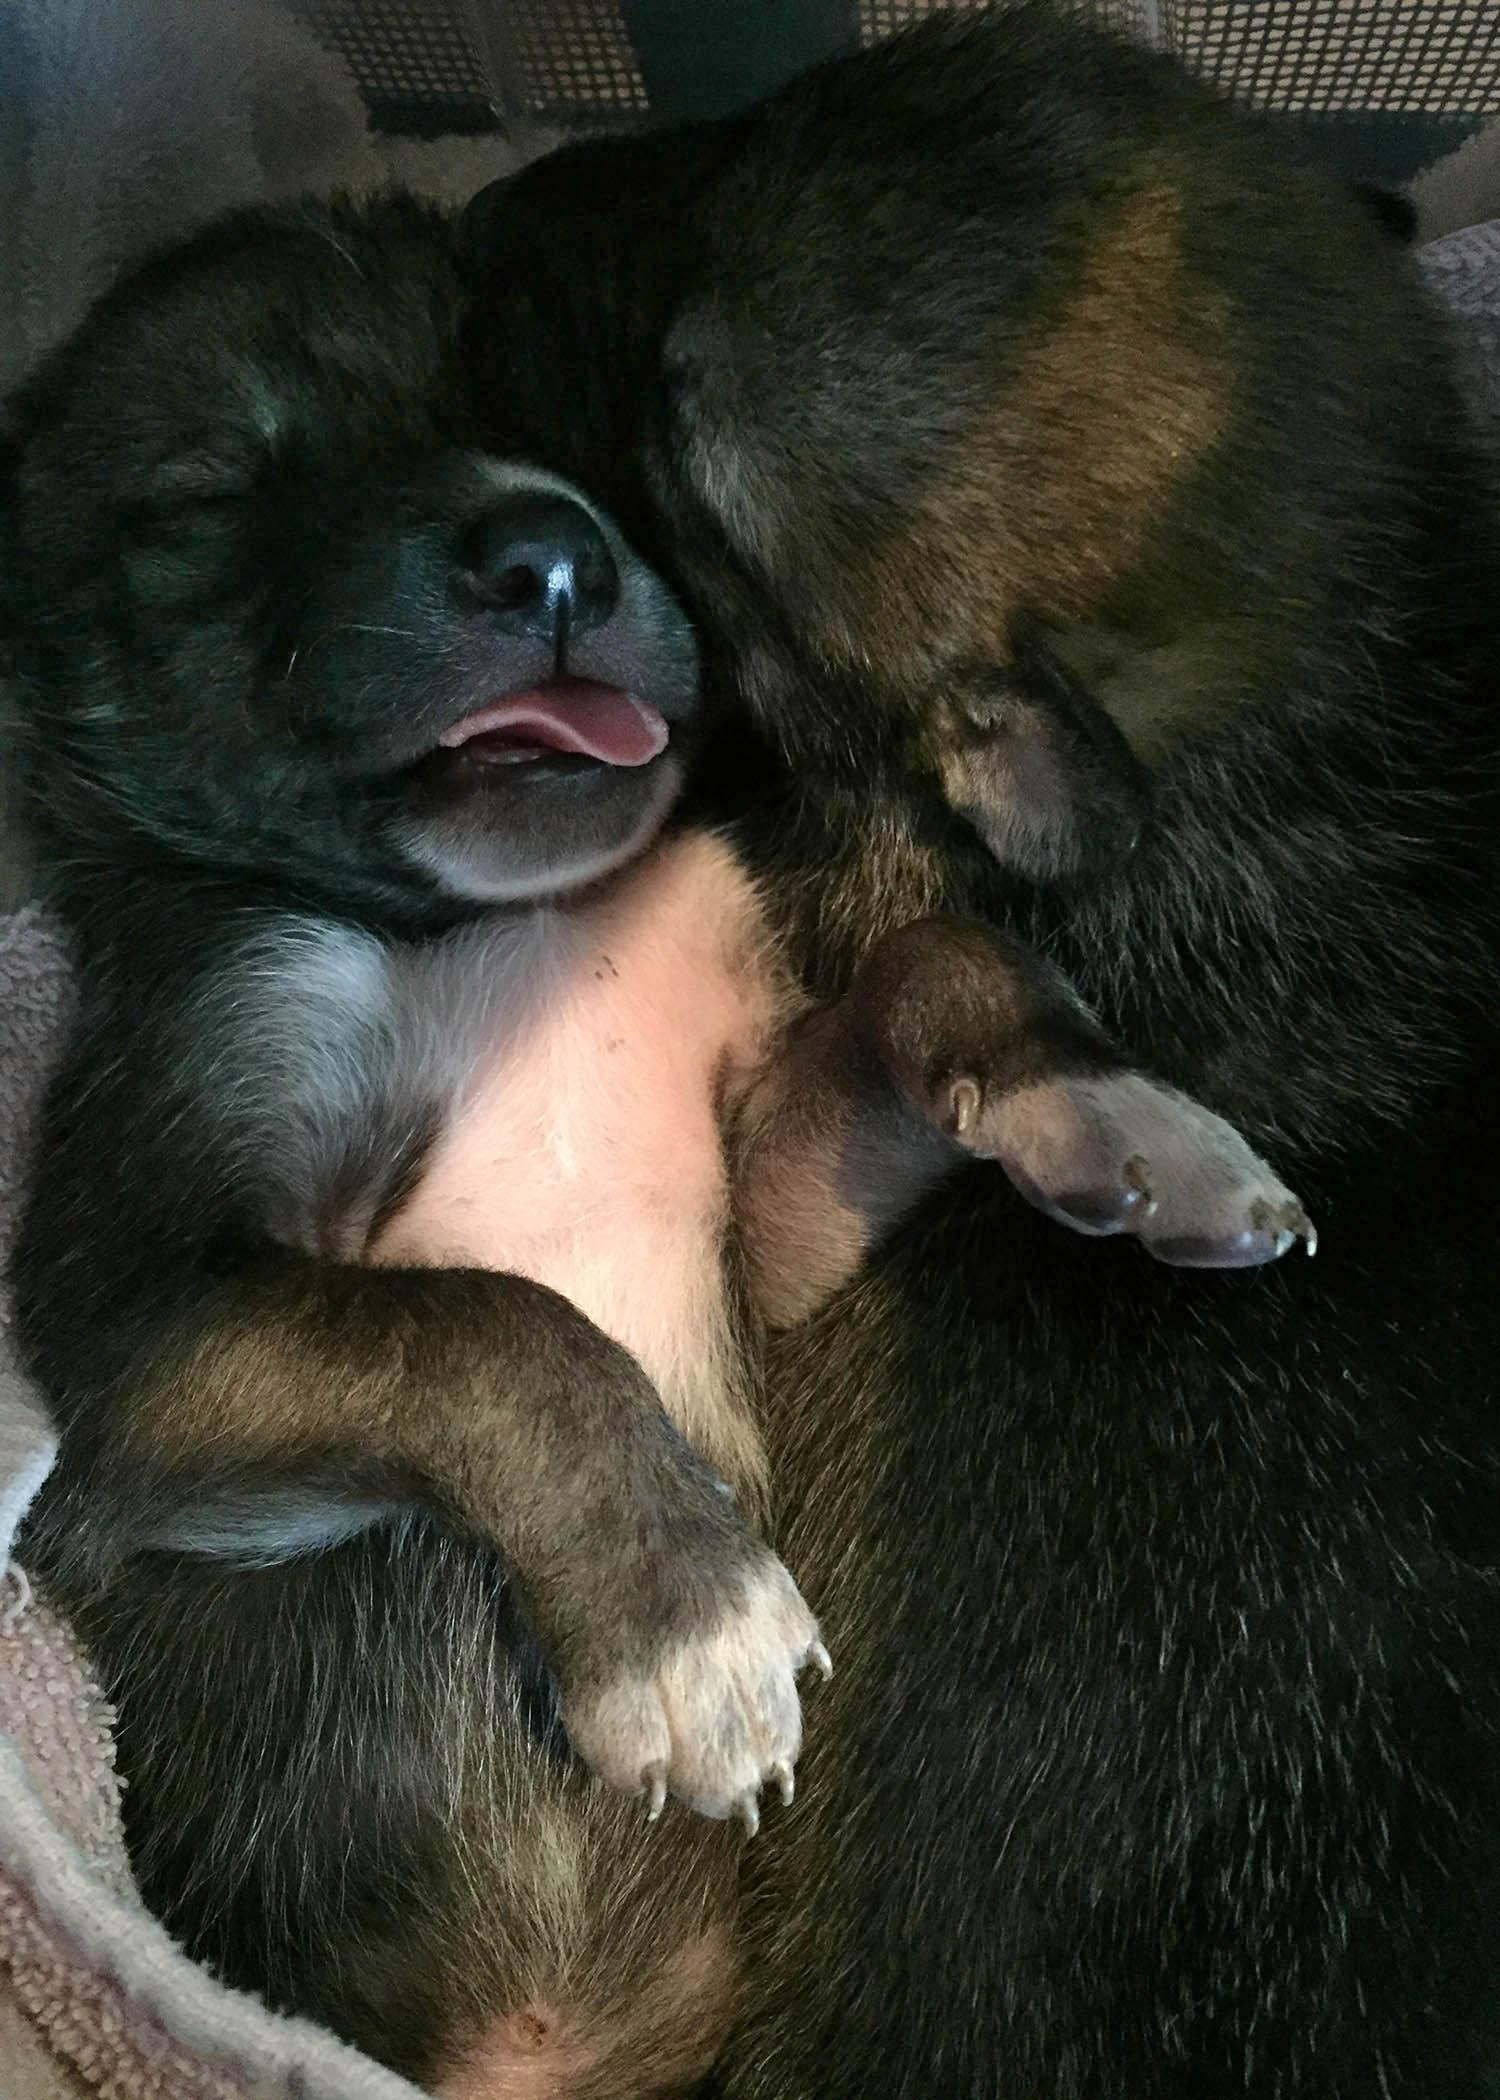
<point>189,479</point>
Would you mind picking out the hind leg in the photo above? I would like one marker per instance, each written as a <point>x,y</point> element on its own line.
<point>989,1043</point>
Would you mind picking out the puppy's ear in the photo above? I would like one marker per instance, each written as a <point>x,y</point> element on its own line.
<point>477,229</point>
<point>547,212</point>
<point>1042,773</point>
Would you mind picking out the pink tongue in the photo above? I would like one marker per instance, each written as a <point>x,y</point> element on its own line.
<point>575,715</point>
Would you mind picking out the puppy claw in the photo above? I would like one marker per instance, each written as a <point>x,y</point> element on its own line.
<point>1289,1221</point>
<point>1119,1153</point>
<point>819,1659</point>
<point>1273,1228</point>
<point>1137,1176</point>
<point>654,1780</point>
<point>786,1782</point>
<point>747,1808</point>
<point>964,1104</point>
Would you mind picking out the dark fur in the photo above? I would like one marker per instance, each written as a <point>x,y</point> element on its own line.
<point>1166,1758</point>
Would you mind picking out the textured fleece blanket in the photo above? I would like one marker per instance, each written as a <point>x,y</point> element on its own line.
<point>136,117</point>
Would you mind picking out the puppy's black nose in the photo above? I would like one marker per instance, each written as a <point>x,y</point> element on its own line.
<point>540,566</point>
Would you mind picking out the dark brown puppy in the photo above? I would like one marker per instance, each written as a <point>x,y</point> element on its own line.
<point>1163,1757</point>
<point>408,1042</point>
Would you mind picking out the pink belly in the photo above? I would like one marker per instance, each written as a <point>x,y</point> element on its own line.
<point>587,1153</point>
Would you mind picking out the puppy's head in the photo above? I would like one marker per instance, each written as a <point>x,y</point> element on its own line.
<point>1004,329</point>
<point>841,453</point>
<point>273,610</point>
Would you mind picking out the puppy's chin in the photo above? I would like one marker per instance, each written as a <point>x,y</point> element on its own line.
<point>506,834</point>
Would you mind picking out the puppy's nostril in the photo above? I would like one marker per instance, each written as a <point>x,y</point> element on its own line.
<point>511,590</point>
<point>540,566</point>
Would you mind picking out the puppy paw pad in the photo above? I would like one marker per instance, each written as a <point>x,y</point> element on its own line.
<point>1119,1153</point>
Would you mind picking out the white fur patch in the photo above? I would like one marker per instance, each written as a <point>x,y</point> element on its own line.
<point>720,1716</point>
<point>452,868</point>
<point>262,1530</point>
<point>302,1020</point>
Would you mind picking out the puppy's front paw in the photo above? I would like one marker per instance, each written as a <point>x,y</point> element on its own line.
<point>1118,1152</point>
<point>717,1716</point>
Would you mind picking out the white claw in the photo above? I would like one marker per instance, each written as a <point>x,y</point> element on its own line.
<point>748,1810</point>
<point>654,1779</point>
<point>782,1774</point>
<point>964,1103</point>
<point>820,1659</point>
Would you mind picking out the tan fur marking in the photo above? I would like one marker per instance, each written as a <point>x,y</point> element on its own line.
<point>802,1244</point>
<point>313,1366</point>
<point>253,1387</point>
<point>1054,493</point>
<point>531,2054</point>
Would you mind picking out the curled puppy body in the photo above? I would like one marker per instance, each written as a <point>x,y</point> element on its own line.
<point>380,1264</point>
<point>1162,1758</point>
<point>320,775</point>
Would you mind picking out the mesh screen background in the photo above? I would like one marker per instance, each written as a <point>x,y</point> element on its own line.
<point>574,55</point>
<point>572,62</point>
<point>417,50</point>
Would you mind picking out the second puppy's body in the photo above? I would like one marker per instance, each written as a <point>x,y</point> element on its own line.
<point>1164,1755</point>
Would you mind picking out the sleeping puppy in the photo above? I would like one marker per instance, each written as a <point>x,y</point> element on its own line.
<point>1162,1756</point>
<point>822,351</point>
<point>441,1121</point>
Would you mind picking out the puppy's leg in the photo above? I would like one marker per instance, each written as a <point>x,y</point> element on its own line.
<point>344,1794</point>
<point>307,1401</point>
<point>1045,776</point>
<point>955,1042</point>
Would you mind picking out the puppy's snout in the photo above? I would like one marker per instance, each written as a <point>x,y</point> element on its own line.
<point>540,567</point>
